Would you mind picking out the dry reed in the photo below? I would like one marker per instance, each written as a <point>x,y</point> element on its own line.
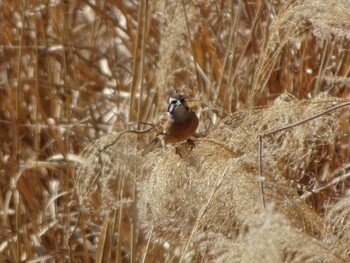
<point>75,74</point>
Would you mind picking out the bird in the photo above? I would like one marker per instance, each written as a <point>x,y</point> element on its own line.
<point>178,125</point>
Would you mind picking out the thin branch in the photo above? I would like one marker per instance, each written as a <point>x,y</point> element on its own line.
<point>307,119</point>
<point>260,153</point>
<point>261,178</point>
<point>331,183</point>
<point>201,215</point>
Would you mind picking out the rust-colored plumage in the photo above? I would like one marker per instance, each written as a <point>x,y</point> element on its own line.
<point>177,126</point>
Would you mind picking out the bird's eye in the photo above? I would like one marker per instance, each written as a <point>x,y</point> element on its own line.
<point>172,101</point>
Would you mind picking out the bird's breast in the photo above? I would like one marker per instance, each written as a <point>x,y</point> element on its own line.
<point>178,131</point>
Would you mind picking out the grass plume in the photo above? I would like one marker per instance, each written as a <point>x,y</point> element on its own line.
<point>75,75</point>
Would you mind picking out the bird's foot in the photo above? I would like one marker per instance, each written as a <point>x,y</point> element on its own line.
<point>178,151</point>
<point>190,144</point>
<point>185,148</point>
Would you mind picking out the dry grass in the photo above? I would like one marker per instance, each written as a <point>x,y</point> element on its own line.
<point>75,74</point>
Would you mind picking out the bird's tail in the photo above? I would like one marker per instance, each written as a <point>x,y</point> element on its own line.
<point>154,144</point>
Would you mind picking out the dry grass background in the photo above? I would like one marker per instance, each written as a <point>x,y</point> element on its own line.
<point>75,74</point>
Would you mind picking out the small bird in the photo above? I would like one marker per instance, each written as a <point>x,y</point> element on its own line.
<point>177,126</point>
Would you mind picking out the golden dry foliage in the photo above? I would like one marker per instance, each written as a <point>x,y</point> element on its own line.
<point>215,189</point>
<point>105,180</point>
<point>74,75</point>
<point>272,239</point>
<point>338,220</point>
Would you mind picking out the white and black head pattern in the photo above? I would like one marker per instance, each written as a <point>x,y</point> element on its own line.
<point>175,102</point>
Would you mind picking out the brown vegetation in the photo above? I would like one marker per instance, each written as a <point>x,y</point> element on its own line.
<point>268,180</point>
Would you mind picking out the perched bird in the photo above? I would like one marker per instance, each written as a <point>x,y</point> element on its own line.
<point>177,126</point>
